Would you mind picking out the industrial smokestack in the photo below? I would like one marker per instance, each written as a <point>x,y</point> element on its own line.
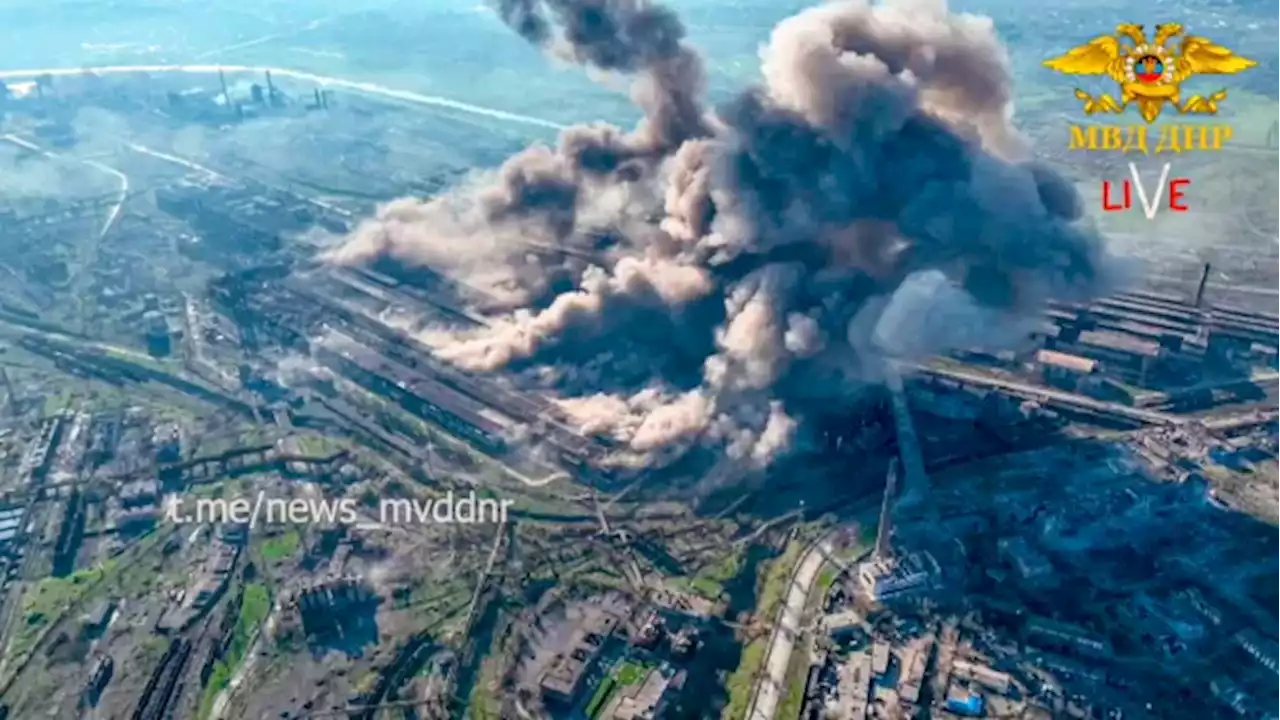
<point>1204,282</point>
<point>885,529</point>
<point>226,97</point>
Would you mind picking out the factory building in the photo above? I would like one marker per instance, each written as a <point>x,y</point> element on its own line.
<point>1065,371</point>
<point>1129,357</point>
<point>964,703</point>
<point>646,700</point>
<point>166,439</point>
<point>994,680</point>
<point>334,608</point>
<point>1261,650</point>
<point>880,658</point>
<point>10,526</point>
<point>564,678</point>
<point>417,393</point>
<point>854,685</point>
<point>1153,340</point>
<point>1231,695</point>
<point>915,660</point>
<point>899,576</point>
<point>888,575</point>
<point>1068,670</point>
<point>238,220</point>
<point>1030,566</point>
<point>1045,633</point>
<point>1173,621</point>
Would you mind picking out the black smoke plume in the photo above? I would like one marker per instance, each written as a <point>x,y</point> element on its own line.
<point>708,278</point>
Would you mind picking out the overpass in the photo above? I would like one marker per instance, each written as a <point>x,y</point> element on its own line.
<point>1050,397</point>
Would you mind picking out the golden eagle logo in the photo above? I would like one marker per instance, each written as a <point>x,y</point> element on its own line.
<point>1149,73</point>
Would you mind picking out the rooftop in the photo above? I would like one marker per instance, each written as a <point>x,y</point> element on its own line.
<point>1074,363</point>
<point>644,703</point>
<point>1122,342</point>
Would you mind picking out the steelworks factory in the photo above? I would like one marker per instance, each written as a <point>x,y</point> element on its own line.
<point>1120,362</point>
<point>336,315</point>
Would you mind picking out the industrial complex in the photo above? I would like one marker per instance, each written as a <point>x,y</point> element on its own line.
<point>1077,523</point>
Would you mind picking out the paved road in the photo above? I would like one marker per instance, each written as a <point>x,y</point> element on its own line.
<point>787,630</point>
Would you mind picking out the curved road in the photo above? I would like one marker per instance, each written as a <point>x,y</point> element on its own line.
<point>366,88</point>
<point>787,629</point>
<point>119,176</point>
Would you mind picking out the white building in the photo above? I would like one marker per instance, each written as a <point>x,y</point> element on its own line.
<point>897,576</point>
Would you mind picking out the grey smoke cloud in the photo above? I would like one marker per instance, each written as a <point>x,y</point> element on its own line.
<point>710,278</point>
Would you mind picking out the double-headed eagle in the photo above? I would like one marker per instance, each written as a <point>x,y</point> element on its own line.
<point>1148,72</point>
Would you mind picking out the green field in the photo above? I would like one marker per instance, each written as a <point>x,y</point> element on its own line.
<point>625,674</point>
<point>630,673</point>
<point>600,697</point>
<point>742,681</point>
<point>282,546</point>
<point>254,608</point>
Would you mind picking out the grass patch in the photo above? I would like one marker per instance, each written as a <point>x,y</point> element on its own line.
<point>282,546</point>
<point>218,681</point>
<point>45,603</point>
<point>777,578</point>
<point>483,703</point>
<point>826,579</point>
<point>600,697</point>
<point>630,673</point>
<point>56,595</point>
<point>254,607</point>
<point>56,403</point>
<point>742,682</point>
<point>706,587</point>
<point>141,359</point>
<point>774,583</point>
<point>318,446</point>
<point>253,611</point>
<point>710,582</point>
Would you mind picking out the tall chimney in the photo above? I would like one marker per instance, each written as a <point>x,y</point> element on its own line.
<point>885,529</point>
<point>1204,282</point>
<point>226,97</point>
<point>271,89</point>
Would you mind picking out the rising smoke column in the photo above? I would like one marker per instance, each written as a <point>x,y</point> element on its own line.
<point>708,278</point>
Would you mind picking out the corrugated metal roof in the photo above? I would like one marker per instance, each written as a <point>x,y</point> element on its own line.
<point>1075,363</point>
<point>1122,342</point>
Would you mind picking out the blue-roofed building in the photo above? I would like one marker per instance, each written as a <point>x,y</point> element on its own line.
<point>965,703</point>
